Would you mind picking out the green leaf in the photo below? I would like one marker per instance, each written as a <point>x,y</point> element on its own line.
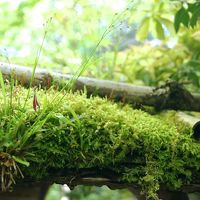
<point>195,16</point>
<point>142,32</point>
<point>195,64</point>
<point>2,84</point>
<point>194,78</point>
<point>183,17</point>
<point>19,160</point>
<point>193,20</point>
<point>159,30</point>
<point>169,24</point>
<point>75,116</point>
<point>192,7</point>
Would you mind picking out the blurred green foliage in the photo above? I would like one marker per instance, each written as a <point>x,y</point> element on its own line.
<point>99,193</point>
<point>54,192</point>
<point>88,193</point>
<point>138,43</point>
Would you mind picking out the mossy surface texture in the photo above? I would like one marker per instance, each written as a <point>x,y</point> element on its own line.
<point>72,131</point>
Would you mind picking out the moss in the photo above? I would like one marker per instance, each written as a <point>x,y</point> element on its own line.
<point>73,131</point>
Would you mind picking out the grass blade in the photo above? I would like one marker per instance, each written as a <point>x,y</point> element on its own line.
<point>3,87</point>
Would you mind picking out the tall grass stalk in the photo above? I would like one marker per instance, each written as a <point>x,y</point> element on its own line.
<point>37,60</point>
<point>115,22</point>
<point>17,133</point>
<point>11,81</point>
<point>43,116</point>
<point>37,124</point>
<point>3,88</point>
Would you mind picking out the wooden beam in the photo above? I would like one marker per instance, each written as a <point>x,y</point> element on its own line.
<point>93,177</point>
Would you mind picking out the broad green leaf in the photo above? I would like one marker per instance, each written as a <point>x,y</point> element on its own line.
<point>142,32</point>
<point>183,17</point>
<point>195,16</point>
<point>193,20</point>
<point>159,30</point>
<point>191,7</point>
<point>169,24</point>
<point>152,27</point>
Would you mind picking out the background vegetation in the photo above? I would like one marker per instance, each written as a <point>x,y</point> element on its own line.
<point>139,43</point>
<point>142,42</point>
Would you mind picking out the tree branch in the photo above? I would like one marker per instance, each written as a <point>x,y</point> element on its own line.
<point>174,97</point>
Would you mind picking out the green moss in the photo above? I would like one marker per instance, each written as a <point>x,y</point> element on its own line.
<point>77,132</point>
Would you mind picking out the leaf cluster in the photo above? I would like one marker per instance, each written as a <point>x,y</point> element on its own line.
<point>187,15</point>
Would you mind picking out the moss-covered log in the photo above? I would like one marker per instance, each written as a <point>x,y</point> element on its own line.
<point>173,96</point>
<point>68,138</point>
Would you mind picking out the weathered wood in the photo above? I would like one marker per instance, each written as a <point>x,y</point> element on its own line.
<point>142,95</point>
<point>192,120</point>
<point>98,178</point>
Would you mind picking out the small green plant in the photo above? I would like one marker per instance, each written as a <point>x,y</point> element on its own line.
<point>3,88</point>
<point>15,144</point>
<point>37,59</point>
